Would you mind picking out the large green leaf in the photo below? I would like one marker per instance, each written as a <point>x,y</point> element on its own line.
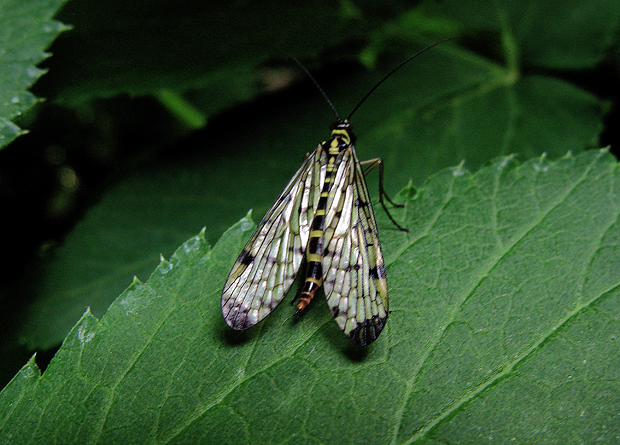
<point>27,30</point>
<point>504,326</point>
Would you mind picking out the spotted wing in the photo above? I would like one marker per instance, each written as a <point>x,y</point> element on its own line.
<point>354,277</point>
<point>269,262</point>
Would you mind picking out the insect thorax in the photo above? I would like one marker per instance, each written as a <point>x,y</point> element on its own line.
<point>342,136</point>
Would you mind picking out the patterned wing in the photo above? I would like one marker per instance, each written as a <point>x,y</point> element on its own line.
<point>354,278</point>
<point>269,262</point>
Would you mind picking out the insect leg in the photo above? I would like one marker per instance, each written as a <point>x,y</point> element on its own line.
<point>372,163</point>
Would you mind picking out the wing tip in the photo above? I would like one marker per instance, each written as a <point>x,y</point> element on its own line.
<point>368,331</point>
<point>237,319</point>
<point>239,324</point>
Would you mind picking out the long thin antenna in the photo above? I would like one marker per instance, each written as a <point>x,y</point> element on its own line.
<point>312,79</point>
<point>359,104</point>
<point>386,77</point>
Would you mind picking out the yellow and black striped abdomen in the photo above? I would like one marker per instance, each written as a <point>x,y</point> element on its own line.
<point>334,148</point>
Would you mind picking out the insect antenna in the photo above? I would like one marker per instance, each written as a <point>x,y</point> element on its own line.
<point>372,90</point>
<point>301,65</point>
<point>409,59</point>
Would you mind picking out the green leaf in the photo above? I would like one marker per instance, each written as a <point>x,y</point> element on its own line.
<point>504,325</point>
<point>27,30</point>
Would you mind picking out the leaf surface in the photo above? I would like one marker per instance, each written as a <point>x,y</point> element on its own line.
<point>504,325</point>
<point>27,31</point>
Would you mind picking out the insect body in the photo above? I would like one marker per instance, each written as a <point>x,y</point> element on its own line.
<point>324,215</point>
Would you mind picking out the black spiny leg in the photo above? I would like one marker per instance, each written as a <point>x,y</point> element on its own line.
<point>372,164</point>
